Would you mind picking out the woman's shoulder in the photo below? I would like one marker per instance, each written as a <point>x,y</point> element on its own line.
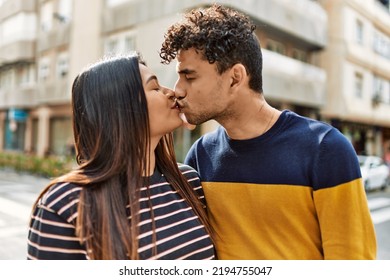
<point>191,174</point>
<point>187,170</point>
<point>60,194</point>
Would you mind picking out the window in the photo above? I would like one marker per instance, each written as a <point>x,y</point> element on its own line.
<point>35,133</point>
<point>120,43</point>
<point>46,16</point>
<point>44,69</point>
<point>6,79</point>
<point>276,46</point>
<point>111,47</point>
<point>129,43</point>
<point>358,85</point>
<point>64,10</point>
<point>378,88</point>
<point>382,44</point>
<point>359,32</point>
<point>62,65</point>
<point>15,128</point>
<point>381,90</point>
<point>299,55</point>
<point>386,93</point>
<point>60,135</point>
<point>25,75</point>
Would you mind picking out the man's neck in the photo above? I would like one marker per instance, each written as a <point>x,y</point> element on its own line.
<point>252,120</point>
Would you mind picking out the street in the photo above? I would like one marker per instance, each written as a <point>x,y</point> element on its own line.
<point>18,192</point>
<point>379,203</point>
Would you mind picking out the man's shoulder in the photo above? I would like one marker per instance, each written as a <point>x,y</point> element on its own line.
<point>211,137</point>
<point>310,124</point>
<point>323,134</point>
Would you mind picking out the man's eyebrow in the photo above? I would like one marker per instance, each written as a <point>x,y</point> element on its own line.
<point>186,71</point>
<point>153,77</point>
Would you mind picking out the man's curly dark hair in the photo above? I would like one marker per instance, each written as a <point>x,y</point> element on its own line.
<point>224,36</point>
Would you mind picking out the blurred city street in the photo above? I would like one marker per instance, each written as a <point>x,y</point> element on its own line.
<point>18,192</point>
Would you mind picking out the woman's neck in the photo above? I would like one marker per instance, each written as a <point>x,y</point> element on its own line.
<point>151,158</point>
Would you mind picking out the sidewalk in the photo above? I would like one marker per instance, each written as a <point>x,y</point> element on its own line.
<point>18,191</point>
<point>11,175</point>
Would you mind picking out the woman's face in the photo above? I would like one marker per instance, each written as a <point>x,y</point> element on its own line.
<point>163,112</point>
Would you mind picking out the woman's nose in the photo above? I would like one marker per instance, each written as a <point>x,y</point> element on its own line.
<point>169,93</point>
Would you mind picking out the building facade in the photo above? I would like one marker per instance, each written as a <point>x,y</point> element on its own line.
<point>311,63</point>
<point>357,62</point>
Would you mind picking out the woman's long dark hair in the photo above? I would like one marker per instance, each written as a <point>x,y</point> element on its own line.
<point>111,133</point>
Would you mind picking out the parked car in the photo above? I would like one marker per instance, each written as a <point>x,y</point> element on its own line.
<point>375,173</point>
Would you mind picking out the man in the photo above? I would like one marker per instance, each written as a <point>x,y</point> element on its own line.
<point>278,185</point>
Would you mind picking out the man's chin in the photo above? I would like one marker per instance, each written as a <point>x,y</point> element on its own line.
<point>186,124</point>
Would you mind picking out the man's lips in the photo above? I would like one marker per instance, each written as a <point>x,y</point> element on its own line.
<point>176,105</point>
<point>179,105</point>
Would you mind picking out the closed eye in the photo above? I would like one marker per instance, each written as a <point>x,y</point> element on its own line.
<point>155,86</point>
<point>152,84</point>
<point>187,74</point>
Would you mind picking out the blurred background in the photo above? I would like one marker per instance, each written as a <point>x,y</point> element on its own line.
<point>325,59</point>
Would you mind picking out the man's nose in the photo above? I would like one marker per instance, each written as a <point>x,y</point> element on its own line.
<point>180,93</point>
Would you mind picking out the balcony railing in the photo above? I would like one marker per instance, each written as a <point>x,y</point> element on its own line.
<point>53,92</point>
<point>290,80</point>
<point>11,7</point>
<point>17,51</point>
<point>19,97</point>
<point>56,37</point>
<point>304,19</point>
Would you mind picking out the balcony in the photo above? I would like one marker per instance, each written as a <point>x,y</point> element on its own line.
<point>288,80</point>
<point>12,7</point>
<point>54,38</point>
<point>17,51</point>
<point>20,97</point>
<point>367,58</point>
<point>368,110</point>
<point>306,20</point>
<point>53,92</point>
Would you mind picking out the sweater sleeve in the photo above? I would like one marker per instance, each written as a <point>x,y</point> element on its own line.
<point>193,178</point>
<point>345,222</point>
<point>191,157</point>
<point>51,233</point>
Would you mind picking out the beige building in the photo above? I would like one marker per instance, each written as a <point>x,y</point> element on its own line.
<point>45,43</point>
<point>357,62</point>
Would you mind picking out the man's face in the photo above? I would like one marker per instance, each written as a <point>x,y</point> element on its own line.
<point>202,93</point>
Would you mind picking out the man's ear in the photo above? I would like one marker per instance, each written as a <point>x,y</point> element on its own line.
<point>238,75</point>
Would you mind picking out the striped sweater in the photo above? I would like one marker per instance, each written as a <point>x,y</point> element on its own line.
<point>294,192</point>
<point>180,235</point>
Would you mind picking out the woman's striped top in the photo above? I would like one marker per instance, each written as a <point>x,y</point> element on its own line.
<point>179,232</point>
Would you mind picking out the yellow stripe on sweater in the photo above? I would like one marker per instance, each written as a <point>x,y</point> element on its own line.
<point>254,221</point>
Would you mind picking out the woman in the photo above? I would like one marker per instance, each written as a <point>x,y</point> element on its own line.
<point>128,198</point>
